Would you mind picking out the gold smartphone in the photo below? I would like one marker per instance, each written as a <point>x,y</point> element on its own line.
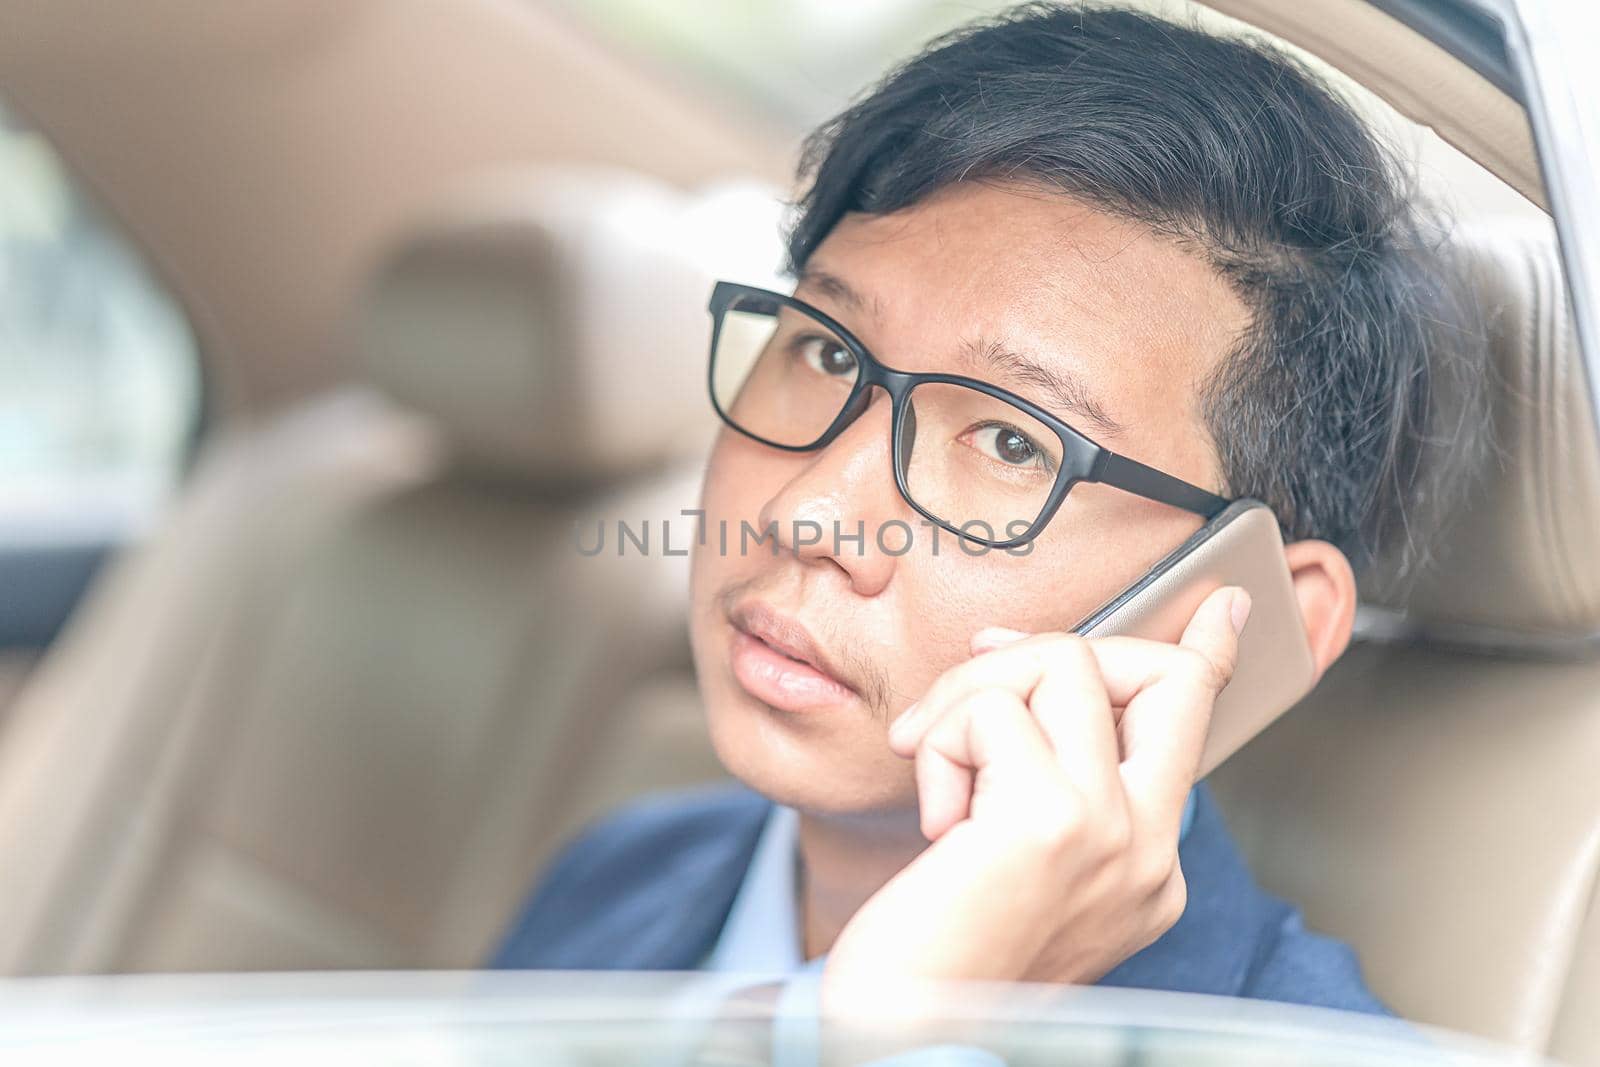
<point>1241,546</point>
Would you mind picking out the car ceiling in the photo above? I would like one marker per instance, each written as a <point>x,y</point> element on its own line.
<point>262,153</point>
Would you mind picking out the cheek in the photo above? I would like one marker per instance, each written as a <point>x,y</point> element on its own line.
<point>731,491</point>
<point>722,481</point>
<point>1084,559</point>
<point>741,476</point>
<point>940,602</point>
<point>1030,593</point>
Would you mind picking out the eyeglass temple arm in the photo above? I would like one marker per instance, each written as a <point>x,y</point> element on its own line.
<point>1135,477</point>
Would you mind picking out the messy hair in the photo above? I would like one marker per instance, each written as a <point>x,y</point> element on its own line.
<point>1237,151</point>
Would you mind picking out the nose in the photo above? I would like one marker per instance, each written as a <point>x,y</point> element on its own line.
<point>841,508</point>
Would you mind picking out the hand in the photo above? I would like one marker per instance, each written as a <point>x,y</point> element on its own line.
<point>1054,820</point>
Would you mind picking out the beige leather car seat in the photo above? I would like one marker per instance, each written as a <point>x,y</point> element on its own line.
<point>1436,800</point>
<point>337,713</point>
<point>340,707</point>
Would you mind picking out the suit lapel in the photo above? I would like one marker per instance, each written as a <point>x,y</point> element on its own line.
<point>672,921</point>
<point>1214,946</point>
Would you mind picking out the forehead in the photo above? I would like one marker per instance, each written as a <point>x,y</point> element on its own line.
<point>1104,299</point>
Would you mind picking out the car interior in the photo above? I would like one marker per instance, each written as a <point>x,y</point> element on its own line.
<point>335,705</point>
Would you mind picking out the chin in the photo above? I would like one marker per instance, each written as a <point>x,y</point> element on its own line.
<point>815,767</point>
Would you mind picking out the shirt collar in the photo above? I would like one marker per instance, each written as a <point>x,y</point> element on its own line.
<point>762,931</point>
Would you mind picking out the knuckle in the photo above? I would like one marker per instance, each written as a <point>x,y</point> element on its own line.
<point>1059,830</point>
<point>1157,870</point>
<point>992,703</point>
<point>941,686</point>
<point>1068,655</point>
<point>1068,646</point>
<point>1226,661</point>
<point>1172,902</point>
<point>942,733</point>
<point>1209,672</point>
<point>1115,835</point>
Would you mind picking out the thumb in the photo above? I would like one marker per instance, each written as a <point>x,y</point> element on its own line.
<point>1215,628</point>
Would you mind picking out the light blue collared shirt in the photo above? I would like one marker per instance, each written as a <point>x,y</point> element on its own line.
<point>762,937</point>
<point>762,932</point>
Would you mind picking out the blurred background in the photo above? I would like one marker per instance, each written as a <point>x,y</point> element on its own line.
<point>182,233</point>
<point>323,324</point>
<point>251,384</point>
<point>103,372</point>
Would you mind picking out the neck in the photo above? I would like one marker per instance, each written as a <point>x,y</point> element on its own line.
<point>843,861</point>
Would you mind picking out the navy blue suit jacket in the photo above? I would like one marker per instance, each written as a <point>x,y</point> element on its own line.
<point>649,888</point>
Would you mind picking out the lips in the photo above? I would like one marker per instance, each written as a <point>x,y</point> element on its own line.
<point>776,660</point>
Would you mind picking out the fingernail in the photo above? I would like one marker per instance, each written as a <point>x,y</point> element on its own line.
<point>1239,610</point>
<point>997,635</point>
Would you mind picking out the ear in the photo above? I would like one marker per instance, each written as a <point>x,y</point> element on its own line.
<point>1325,586</point>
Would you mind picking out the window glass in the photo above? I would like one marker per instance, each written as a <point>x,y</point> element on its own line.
<point>99,377</point>
<point>800,59</point>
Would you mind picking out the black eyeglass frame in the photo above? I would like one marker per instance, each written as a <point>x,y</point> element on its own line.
<point>1083,460</point>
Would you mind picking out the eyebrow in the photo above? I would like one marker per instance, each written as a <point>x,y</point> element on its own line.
<point>1062,389</point>
<point>831,285</point>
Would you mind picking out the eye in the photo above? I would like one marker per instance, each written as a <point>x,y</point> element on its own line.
<point>1009,445</point>
<point>826,355</point>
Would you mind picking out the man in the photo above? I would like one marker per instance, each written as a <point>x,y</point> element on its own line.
<point>1187,250</point>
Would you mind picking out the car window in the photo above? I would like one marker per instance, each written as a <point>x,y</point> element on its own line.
<point>802,61</point>
<point>101,389</point>
<point>799,59</point>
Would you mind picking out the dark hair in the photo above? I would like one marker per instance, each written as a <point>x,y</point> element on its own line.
<point>1237,151</point>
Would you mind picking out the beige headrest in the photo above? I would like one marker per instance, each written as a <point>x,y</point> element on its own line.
<point>1518,563</point>
<point>555,323</point>
<point>1517,566</point>
<point>1420,79</point>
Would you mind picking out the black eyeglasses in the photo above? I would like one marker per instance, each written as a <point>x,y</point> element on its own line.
<point>970,457</point>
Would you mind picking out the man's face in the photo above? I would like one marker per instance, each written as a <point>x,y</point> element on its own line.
<point>1126,320</point>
